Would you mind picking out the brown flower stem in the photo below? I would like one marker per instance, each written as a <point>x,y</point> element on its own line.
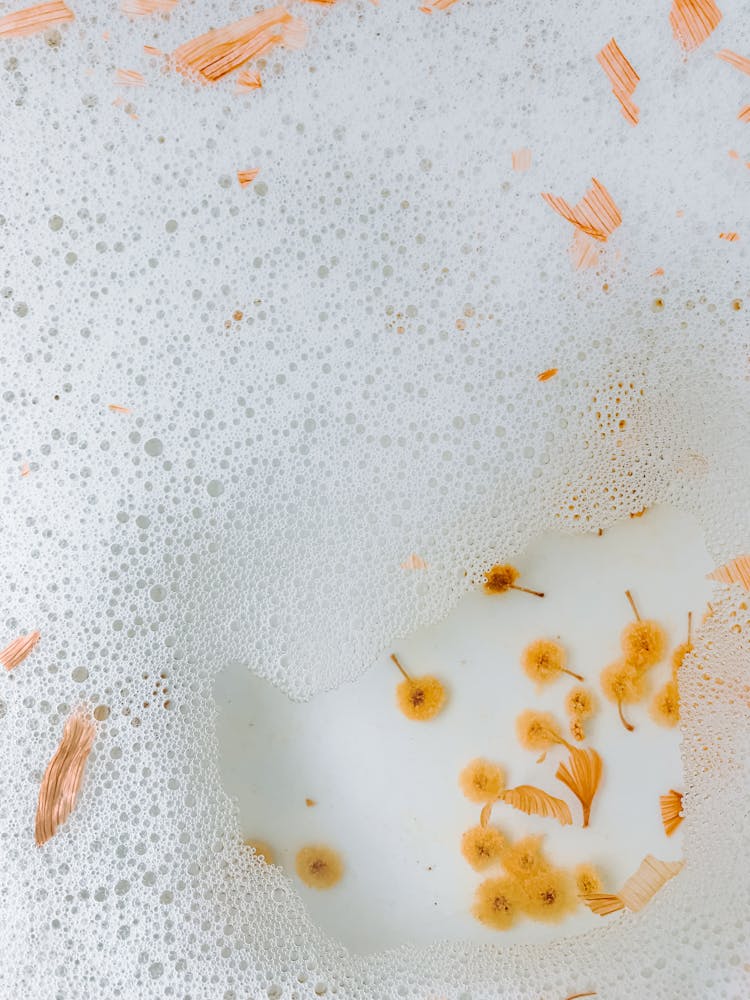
<point>536,593</point>
<point>690,627</point>
<point>398,664</point>
<point>623,720</point>
<point>632,605</point>
<point>571,674</point>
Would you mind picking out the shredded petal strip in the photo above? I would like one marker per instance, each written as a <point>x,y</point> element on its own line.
<point>246,80</point>
<point>547,375</point>
<point>437,5</point>
<point>223,50</point>
<point>623,78</point>
<point>583,251</point>
<point>17,651</point>
<point>129,78</point>
<point>671,807</point>
<point>595,214</point>
<point>744,115</point>
<point>62,779</point>
<point>582,775</point>
<point>693,21</point>
<point>639,889</point>
<point>33,19</point>
<point>730,237</point>
<point>535,802</point>
<point>246,177</point>
<point>742,63</point>
<point>521,159</point>
<point>735,571</point>
<point>414,562</point>
<point>140,8</point>
<point>116,408</point>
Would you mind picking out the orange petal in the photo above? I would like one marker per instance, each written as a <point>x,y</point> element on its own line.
<point>657,272</point>
<point>17,651</point>
<point>139,8</point>
<point>62,779</point>
<point>34,19</point>
<point>693,21</point>
<point>546,376</point>
<point>735,571</point>
<point>150,50</point>
<point>583,252</point>
<point>25,470</point>
<point>742,63</point>
<point>744,115</point>
<point>248,81</point>
<point>582,775</point>
<point>129,78</point>
<point>595,214</point>
<point>622,76</point>
<point>671,807</point>
<point>414,562</point>
<point>116,408</point>
<point>521,159</point>
<point>536,802</point>
<point>730,237</point>
<point>437,5</point>
<point>246,177</point>
<point>222,50</point>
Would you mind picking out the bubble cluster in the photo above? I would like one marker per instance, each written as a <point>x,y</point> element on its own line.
<point>313,377</point>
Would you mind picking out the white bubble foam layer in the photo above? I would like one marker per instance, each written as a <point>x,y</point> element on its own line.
<point>400,289</point>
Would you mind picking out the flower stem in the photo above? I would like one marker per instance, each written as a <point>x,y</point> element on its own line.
<point>623,720</point>
<point>398,664</point>
<point>571,674</point>
<point>536,593</point>
<point>690,628</point>
<point>632,605</point>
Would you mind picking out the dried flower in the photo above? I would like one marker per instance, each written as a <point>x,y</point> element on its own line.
<point>544,660</point>
<point>482,846</point>
<point>644,641</point>
<point>538,730</point>
<point>678,656</point>
<point>623,684</point>
<point>665,707</point>
<point>582,775</point>
<point>549,897</point>
<point>498,579</point>
<point>536,802</point>
<point>497,903</point>
<point>262,851</point>
<point>482,781</point>
<point>62,779</point>
<point>525,858</point>
<point>671,811</point>
<point>419,698</point>
<point>587,879</point>
<point>17,651</point>
<point>319,867</point>
<point>580,703</point>
<point>638,890</point>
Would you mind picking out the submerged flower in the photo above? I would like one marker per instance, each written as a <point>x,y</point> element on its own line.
<point>319,867</point>
<point>587,879</point>
<point>482,846</point>
<point>544,660</point>
<point>419,698</point>
<point>482,781</point>
<point>525,858</point>
<point>580,703</point>
<point>644,641</point>
<point>623,684</point>
<point>262,851</point>
<point>665,707</point>
<point>549,897</point>
<point>538,730</point>
<point>498,579</point>
<point>497,903</point>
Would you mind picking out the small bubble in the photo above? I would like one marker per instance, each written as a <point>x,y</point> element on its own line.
<point>157,593</point>
<point>80,674</point>
<point>153,447</point>
<point>101,713</point>
<point>55,223</point>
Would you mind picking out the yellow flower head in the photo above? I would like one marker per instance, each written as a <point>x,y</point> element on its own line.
<point>525,858</point>
<point>420,698</point>
<point>576,730</point>
<point>481,780</point>
<point>262,851</point>
<point>665,708</point>
<point>498,579</point>
<point>678,656</point>
<point>497,903</point>
<point>623,684</point>
<point>319,867</point>
<point>549,897</point>
<point>482,846</point>
<point>643,643</point>
<point>537,730</point>
<point>587,879</point>
<point>544,660</point>
<point>580,703</point>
